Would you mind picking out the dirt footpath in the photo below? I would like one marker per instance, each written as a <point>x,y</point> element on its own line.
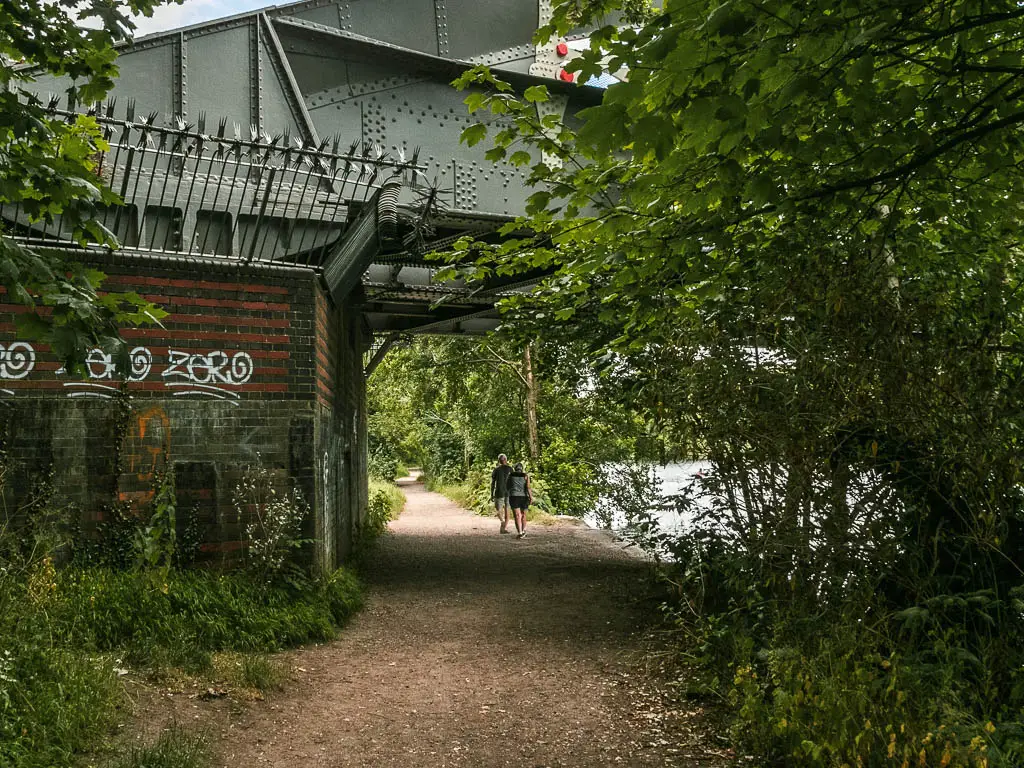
<point>476,649</point>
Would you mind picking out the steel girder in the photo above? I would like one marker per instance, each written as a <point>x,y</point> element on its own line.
<point>373,72</point>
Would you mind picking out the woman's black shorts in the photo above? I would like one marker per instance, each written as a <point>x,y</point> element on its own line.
<point>519,502</point>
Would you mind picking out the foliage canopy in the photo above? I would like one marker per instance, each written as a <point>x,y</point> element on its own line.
<point>792,237</point>
<point>47,167</point>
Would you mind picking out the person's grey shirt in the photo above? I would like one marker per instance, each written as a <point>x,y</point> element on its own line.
<point>499,481</point>
<point>517,484</point>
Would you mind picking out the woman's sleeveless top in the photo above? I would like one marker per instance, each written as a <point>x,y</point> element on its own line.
<point>517,484</point>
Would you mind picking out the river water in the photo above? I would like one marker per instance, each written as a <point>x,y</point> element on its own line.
<point>674,479</point>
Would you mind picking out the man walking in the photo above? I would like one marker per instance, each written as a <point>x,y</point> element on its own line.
<point>499,490</point>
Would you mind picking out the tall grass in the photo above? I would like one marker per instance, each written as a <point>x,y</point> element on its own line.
<point>63,632</point>
<point>174,748</point>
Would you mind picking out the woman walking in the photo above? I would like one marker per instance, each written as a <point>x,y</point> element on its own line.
<point>520,496</point>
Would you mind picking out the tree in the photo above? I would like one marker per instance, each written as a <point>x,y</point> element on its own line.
<point>794,233</point>
<point>48,168</point>
<point>454,403</point>
<point>818,206</point>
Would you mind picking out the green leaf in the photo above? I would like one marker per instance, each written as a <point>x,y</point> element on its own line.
<point>473,134</point>
<point>520,158</point>
<point>604,127</point>
<point>475,101</point>
<point>536,94</point>
<point>762,190</point>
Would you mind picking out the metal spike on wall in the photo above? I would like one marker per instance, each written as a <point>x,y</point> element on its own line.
<point>174,170</point>
<point>201,128</point>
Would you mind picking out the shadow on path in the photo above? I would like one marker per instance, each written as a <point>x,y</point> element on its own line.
<point>475,649</point>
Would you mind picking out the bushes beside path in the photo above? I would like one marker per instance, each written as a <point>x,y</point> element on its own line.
<point>125,604</point>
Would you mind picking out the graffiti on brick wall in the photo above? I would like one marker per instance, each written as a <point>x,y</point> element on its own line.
<point>147,446</point>
<point>187,373</point>
<point>17,360</point>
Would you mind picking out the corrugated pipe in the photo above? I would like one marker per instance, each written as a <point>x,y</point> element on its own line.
<point>375,226</point>
<point>387,211</point>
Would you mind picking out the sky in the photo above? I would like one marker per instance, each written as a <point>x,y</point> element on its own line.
<point>194,12</point>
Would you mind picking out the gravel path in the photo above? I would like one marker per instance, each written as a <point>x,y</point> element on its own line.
<point>476,649</point>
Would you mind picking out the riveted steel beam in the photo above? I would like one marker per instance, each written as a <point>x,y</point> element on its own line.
<point>447,68</point>
<point>441,26</point>
<point>283,70</point>
<point>515,53</point>
<point>380,353</point>
<point>290,8</point>
<point>452,325</point>
<point>255,76</point>
<point>179,64</point>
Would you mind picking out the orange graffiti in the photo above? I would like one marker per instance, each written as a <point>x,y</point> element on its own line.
<point>147,444</point>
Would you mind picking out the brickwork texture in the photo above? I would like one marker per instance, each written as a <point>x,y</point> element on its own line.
<point>254,366</point>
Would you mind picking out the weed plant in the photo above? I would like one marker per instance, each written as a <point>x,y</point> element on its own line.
<point>273,518</point>
<point>255,671</point>
<point>386,502</point>
<point>175,748</point>
<point>850,683</point>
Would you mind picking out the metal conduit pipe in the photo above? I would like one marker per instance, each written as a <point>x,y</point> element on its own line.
<point>376,225</point>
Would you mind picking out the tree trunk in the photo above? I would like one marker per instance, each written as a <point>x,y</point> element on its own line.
<point>532,439</point>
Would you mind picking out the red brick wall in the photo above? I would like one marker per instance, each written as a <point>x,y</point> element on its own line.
<point>221,340</point>
<point>243,366</point>
<point>327,341</point>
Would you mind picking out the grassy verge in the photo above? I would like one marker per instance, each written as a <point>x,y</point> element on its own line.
<point>65,635</point>
<point>465,494</point>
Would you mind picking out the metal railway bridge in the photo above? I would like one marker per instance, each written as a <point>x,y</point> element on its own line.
<point>325,134</point>
<point>284,174</point>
